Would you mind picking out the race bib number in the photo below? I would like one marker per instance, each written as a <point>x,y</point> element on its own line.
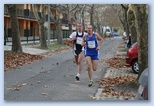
<point>91,44</point>
<point>78,40</point>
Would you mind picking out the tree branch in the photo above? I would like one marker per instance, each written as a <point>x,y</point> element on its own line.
<point>124,7</point>
<point>73,8</point>
<point>35,12</point>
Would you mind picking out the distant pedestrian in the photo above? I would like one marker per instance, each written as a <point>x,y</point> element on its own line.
<point>92,42</point>
<point>129,41</point>
<point>78,50</point>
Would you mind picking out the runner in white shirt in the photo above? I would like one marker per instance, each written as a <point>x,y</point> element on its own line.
<point>78,50</point>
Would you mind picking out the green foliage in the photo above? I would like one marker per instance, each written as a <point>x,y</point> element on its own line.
<point>122,63</point>
<point>123,50</point>
<point>56,46</point>
<point>10,52</point>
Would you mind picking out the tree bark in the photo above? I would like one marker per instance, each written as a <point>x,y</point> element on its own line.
<point>70,28</point>
<point>41,21</point>
<point>126,25</point>
<point>43,36</point>
<point>58,27</point>
<point>16,44</point>
<point>59,33</point>
<point>69,24</point>
<point>69,13</point>
<point>141,16</point>
<point>92,15</point>
<point>131,21</point>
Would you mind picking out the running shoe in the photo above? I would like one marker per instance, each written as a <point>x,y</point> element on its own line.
<point>77,78</point>
<point>90,83</point>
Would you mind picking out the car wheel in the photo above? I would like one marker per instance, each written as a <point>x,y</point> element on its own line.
<point>135,66</point>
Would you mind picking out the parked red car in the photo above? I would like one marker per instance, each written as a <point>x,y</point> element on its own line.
<point>132,58</point>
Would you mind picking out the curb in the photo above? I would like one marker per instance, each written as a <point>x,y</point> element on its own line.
<point>112,73</point>
<point>121,53</point>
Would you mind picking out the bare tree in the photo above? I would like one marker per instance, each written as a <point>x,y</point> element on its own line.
<point>70,8</point>
<point>16,44</point>
<point>91,12</point>
<point>41,20</point>
<point>125,24</point>
<point>82,12</point>
<point>132,27</point>
<point>58,23</point>
<point>141,16</point>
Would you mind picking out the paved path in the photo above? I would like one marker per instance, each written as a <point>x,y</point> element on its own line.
<point>30,50</point>
<point>53,77</point>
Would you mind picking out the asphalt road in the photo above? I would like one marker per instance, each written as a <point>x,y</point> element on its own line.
<point>54,77</point>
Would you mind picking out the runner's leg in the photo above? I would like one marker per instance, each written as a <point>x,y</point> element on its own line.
<point>80,57</point>
<point>94,64</point>
<point>76,59</point>
<point>88,63</point>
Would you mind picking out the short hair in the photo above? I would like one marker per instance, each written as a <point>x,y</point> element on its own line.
<point>79,24</point>
<point>89,25</point>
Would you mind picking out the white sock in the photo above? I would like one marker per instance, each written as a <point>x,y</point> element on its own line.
<point>78,75</point>
<point>91,80</point>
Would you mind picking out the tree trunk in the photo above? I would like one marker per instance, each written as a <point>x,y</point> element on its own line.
<point>41,21</point>
<point>133,34</point>
<point>69,23</point>
<point>131,21</point>
<point>126,25</point>
<point>16,45</point>
<point>58,28</point>
<point>43,36</point>
<point>92,15</point>
<point>70,28</point>
<point>59,33</point>
<point>141,16</point>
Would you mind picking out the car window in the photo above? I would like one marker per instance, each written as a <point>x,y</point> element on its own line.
<point>107,30</point>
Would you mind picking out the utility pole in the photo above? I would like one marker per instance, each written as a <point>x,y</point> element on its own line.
<point>48,24</point>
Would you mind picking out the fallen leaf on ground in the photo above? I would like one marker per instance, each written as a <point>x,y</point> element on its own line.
<point>116,93</point>
<point>93,97</point>
<point>45,86</point>
<point>116,62</point>
<point>114,81</point>
<point>14,60</point>
<point>44,94</point>
<point>24,84</point>
<point>38,81</point>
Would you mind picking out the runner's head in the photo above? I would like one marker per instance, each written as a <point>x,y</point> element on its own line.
<point>79,27</point>
<point>89,29</point>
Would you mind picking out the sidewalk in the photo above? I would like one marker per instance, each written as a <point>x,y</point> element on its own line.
<point>112,73</point>
<point>27,48</point>
<point>124,91</point>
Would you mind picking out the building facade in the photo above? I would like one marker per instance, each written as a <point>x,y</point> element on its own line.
<point>28,25</point>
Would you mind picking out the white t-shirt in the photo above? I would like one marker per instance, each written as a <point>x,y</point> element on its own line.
<point>74,34</point>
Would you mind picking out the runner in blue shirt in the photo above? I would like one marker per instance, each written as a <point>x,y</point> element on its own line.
<point>92,42</point>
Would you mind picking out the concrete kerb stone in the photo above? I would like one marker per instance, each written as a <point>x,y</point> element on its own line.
<point>112,73</point>
<point>121,53</point>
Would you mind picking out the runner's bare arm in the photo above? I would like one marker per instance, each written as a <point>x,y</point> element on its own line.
<point>83,40</point>
<point>72,39</point>
<point>100,40</point>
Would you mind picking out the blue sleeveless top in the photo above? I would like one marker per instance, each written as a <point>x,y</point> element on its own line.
<point>91,45</point>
